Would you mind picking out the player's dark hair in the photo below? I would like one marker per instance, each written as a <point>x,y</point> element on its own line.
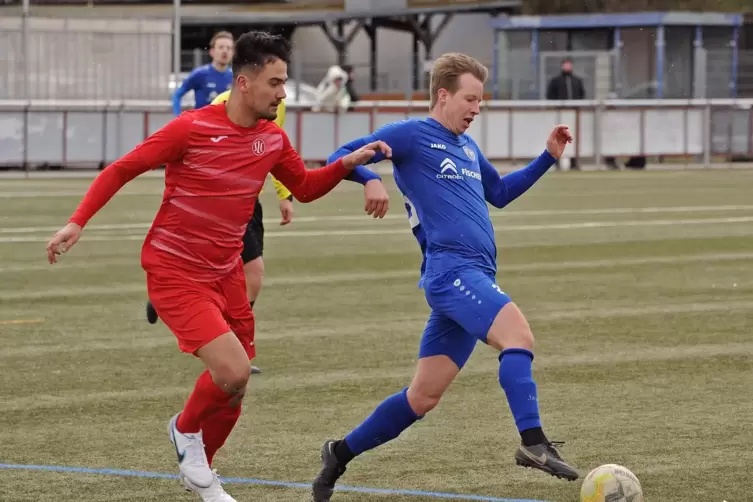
<point>257,48</point>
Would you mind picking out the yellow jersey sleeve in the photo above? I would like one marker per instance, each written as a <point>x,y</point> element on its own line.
<point>280,120</point>
<point>221,98</point>
<point>282,192</point>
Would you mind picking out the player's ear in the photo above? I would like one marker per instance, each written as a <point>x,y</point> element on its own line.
<point>241,81</point>
<point>442,95</point>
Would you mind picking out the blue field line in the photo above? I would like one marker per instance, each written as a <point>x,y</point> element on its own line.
<point>252,481</point>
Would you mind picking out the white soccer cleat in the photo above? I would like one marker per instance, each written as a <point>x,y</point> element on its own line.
<point>213,493</point>
<point>192,459</point>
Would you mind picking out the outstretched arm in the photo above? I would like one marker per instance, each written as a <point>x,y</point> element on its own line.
<point>397,135</point>
<point>499,191</point>
<point>166,145</point>
<point>307,185</point>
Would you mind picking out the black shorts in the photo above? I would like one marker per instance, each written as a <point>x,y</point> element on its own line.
<point>253,239</point>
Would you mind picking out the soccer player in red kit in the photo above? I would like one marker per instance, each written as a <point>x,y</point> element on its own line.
<point>217,159</point>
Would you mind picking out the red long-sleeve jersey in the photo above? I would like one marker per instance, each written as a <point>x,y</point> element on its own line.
<point>214,172</point>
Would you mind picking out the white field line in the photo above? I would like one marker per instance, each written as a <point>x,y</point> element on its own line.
<point>402,323</point>
<point>365,218</point>
<point>396,274</point>
<point>316,378</point>
<point>124,288</point>
<point>399,231</point>
<point>79,192</point>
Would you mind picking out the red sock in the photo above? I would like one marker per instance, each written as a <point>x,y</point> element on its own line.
<point>205,400</point>
<point>217,427</point>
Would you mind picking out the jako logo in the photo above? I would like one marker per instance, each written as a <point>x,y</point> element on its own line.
<point>438,146</point>
<point>449,171</point>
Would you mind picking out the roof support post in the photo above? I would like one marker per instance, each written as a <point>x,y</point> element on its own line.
<point>340,39</point>
<point>371,30</point>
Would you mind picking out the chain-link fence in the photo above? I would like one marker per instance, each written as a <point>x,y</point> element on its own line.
<point>702,74</point>
<point>48,58</point>
<point>719,70</point>
<point>528,77</point>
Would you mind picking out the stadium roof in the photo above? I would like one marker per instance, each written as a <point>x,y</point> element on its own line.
<point>254,14</point>
<point>627,20</point>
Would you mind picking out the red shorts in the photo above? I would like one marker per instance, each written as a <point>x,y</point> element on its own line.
<point>199,312</point>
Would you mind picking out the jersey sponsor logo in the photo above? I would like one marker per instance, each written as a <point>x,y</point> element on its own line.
<point>438,146</point>
<point>471,174</point>
<point>449,171</point>
<point>218,139</point>
<point>258,147</point>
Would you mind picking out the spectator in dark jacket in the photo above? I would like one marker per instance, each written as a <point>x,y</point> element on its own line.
<point>566,86</point>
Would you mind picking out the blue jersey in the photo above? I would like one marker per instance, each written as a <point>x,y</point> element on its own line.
<point>206,82</point>
<point>446,183</point>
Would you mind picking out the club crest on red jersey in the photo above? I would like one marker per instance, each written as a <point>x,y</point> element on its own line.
<point>258,147</point>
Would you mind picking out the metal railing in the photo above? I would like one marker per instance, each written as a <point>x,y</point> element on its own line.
<point>90,134</point>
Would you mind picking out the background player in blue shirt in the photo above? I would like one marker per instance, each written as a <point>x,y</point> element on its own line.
<point>209,81</point>
<point>447,182</point>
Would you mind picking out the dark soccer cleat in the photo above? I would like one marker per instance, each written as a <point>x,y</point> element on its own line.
<point>545,457</point>
<point>151,314</point>
<point>332,469</point>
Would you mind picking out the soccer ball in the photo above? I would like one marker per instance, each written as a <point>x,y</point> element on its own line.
<point>611,483</point>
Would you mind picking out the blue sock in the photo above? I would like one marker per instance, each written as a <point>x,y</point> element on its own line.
<point>516,379</point>
<point>388,420</point>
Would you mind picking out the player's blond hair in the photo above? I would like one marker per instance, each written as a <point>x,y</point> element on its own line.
<point>219,35</point>
<point>447,70</point>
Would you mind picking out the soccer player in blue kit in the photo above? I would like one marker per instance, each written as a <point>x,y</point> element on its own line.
<point>210,80</point>
<point>446,182</point>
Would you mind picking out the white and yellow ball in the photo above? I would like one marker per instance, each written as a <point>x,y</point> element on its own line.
<point>611,483</point>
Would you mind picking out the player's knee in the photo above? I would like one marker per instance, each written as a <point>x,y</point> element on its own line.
<point>510,329</point>
<point>422,401</point>
<point>237,398</point>
<point>518,339</point>
<point>232,378</point>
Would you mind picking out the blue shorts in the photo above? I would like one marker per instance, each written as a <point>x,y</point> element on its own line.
<point>464,305</point>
